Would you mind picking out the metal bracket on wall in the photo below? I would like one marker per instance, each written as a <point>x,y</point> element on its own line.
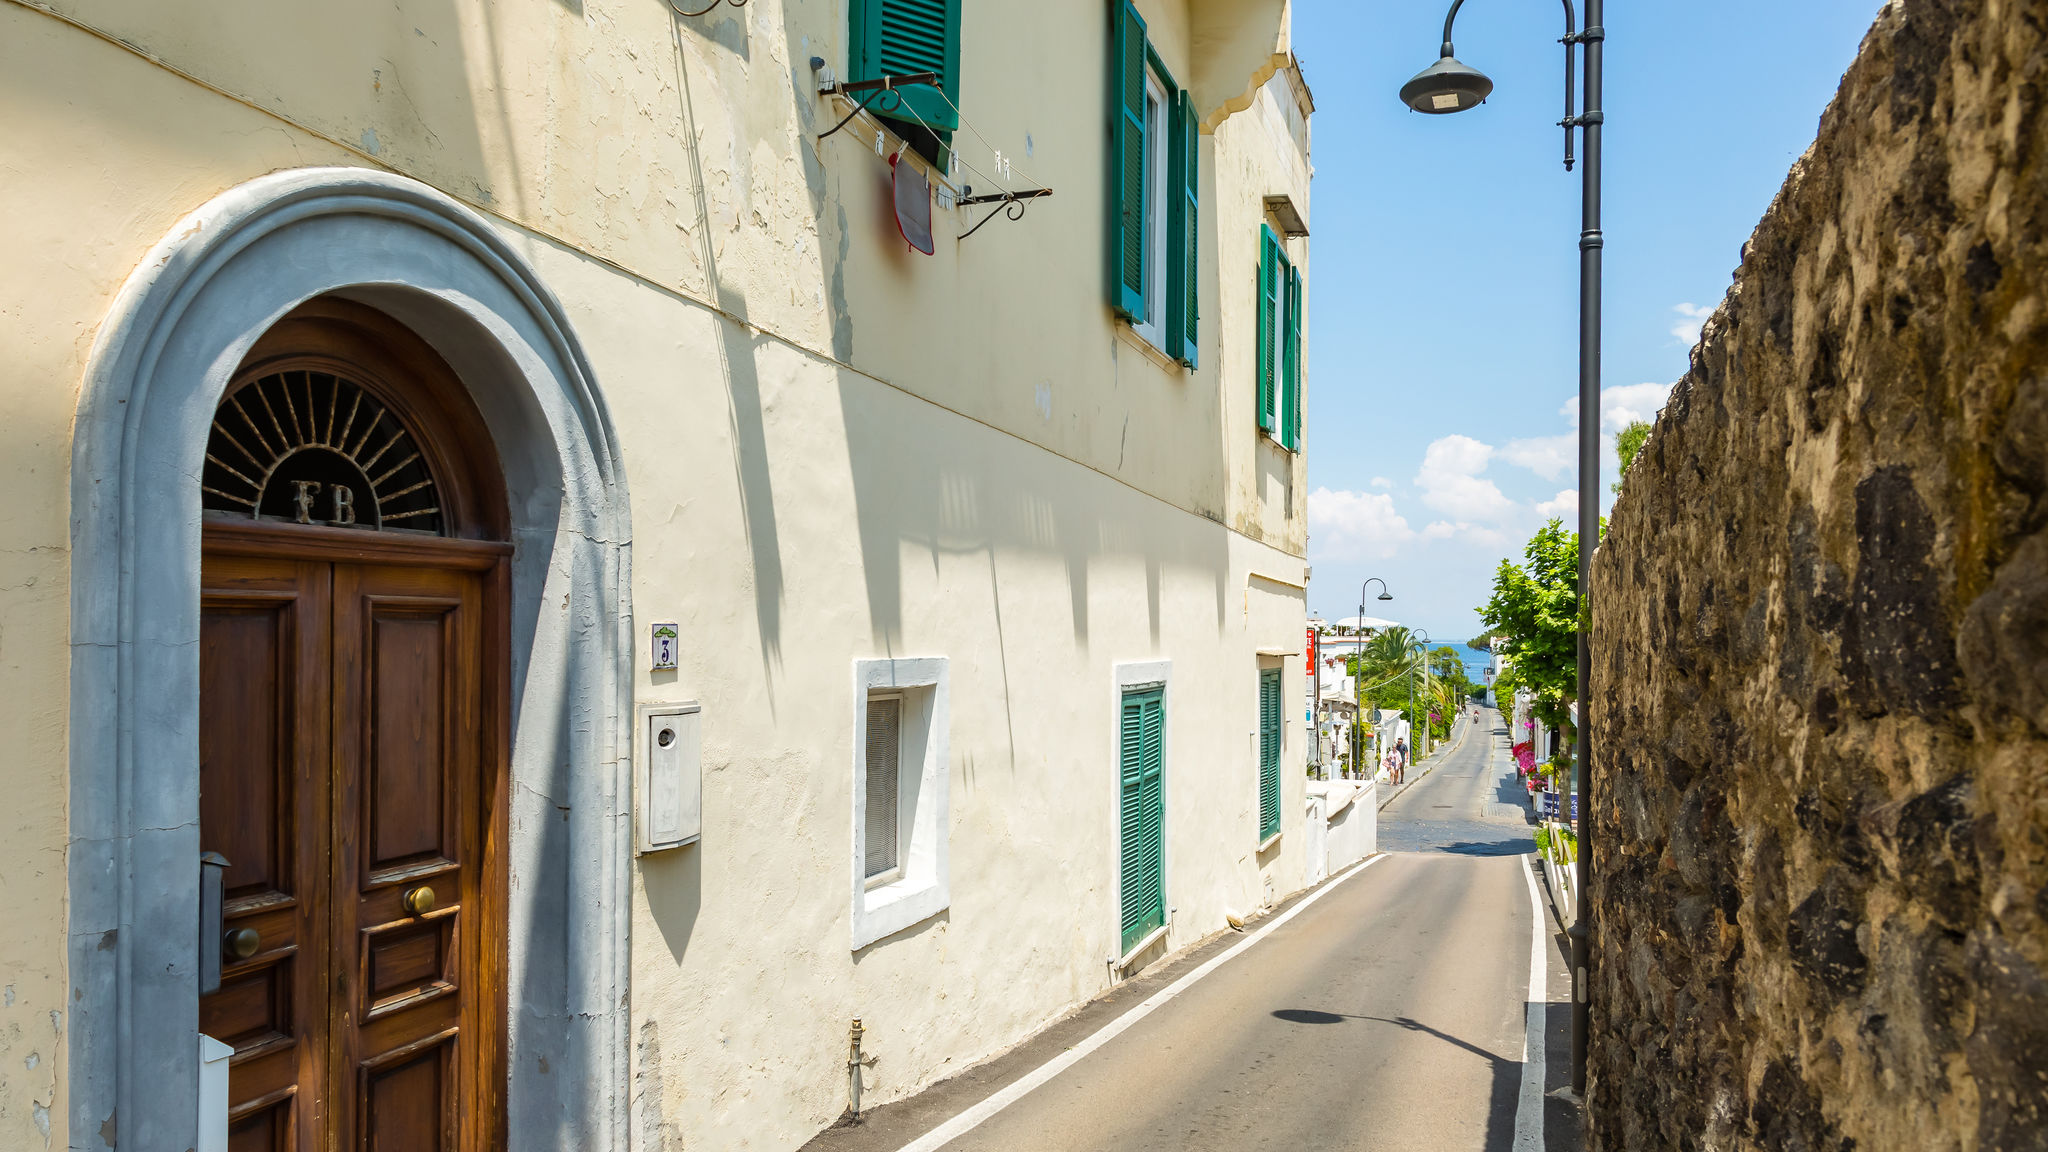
<point>707,7</point>
<point>1009,204</point>
<point>878,95</point>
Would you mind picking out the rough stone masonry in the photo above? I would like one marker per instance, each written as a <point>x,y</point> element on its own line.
<point>1820,906</point>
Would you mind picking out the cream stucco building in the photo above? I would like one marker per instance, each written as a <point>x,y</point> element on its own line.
<point>379,378</point>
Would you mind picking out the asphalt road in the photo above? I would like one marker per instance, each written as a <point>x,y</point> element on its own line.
<point>1471,804</point>
<point>1388,1013</point>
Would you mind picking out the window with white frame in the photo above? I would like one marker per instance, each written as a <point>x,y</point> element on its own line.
<point>1155,159</point>
<point>900,785</point>
<point>883,851</point>
<point>1151,323</point>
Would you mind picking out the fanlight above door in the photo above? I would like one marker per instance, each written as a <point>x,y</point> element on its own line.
<point>311,447</point>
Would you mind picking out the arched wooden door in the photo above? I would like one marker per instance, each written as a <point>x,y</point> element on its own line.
<point>353,742</point>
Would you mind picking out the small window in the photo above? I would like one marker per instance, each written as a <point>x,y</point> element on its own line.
<point>1270,732</point>
<point>1141,815</point>
<point>900,782</point>
<point>884,852</point>
<point>1151,322</point>
<point>1279,315</point>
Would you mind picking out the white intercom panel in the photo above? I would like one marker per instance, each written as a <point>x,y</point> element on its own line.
<point>668,799</point>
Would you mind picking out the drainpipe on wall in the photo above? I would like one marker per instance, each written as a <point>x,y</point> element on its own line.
<point>853,1069</point>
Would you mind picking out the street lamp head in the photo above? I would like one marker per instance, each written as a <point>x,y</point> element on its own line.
<point>1446,86</point>
<point>1386,596</point>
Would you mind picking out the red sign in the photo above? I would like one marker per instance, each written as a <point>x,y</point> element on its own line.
<point>1312,652</point>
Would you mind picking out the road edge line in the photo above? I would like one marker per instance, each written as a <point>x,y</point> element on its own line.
<point>1529,1103</point>
<point>988,1106</point>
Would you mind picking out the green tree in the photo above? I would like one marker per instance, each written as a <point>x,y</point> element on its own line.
<point>1627,443</point>
<point>1534,617</point>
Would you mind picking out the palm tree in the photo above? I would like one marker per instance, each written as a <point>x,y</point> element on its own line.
<point>1390,652</point>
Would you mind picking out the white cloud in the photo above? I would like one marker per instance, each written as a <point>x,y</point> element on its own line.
<point>1565,506</point>
<point>1355,525</point>
<point>1451,483</point>
<point>1687,331</point>
<point>1622,405</point>
<point>1547,456</point>
<point>1382,482</point>
<point>1470,533</point>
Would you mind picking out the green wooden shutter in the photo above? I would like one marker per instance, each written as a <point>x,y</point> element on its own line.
<point>1290,400</point>
<point>1184,297</point>
<point>1127,163</point>
<point>896,37</point>
<point>1269,752</point>
<point>1268,339</point>
<point>1141,740</point>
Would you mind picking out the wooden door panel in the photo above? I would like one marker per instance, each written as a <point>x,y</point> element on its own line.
<point>262,804</point>
<point>406,812</point>
<point>408,1098</point>
<point>409,751</point>
<point>245,762</point>
<point>263,1129</point>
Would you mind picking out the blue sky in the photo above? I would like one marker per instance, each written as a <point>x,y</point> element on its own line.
<point>1443,320</point>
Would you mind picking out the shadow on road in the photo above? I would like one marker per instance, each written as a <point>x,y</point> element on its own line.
<point>1514,847</point>
<point>1507,1074</point>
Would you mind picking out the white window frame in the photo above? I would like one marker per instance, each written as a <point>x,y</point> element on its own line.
<point>920,886</point>
<point>1128,677</point>
<point>1159,129</point>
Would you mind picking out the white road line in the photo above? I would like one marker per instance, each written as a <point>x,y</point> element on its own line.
<point>967,1121</point>
<point>1529,1108</point>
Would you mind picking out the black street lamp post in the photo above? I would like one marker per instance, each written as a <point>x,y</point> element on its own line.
<point>1358,679</point>
<point>1449,86</point>
<point>1416,748</point>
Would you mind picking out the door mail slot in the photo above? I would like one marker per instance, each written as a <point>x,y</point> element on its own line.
<point>668,781</point>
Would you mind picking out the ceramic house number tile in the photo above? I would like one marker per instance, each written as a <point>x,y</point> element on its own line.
<point>663,648</point>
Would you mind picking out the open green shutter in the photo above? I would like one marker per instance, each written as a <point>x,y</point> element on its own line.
<point>1290,399</point>
<point>1127,163</point>
<point>1268,340</point>
<point>897,37</point>
<point>1184,313</point>
<point>1141,738</point>
<point>1269,752</point>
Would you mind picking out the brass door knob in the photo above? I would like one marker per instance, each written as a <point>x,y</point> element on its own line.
<point>417,901</point>
<point>240,944</point>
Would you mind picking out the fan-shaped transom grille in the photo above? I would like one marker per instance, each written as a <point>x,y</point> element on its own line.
<point>311,447</point>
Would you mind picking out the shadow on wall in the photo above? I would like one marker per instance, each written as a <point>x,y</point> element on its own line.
<point>674,883</point>
<point>954,496</point>
<point>936,493</point>
<point>736,354</point>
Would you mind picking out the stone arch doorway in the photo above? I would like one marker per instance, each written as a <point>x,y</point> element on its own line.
<point>352,740</point>
<point>539,537</point>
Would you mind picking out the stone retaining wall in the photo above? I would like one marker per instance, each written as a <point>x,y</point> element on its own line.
<point>1821,662</point>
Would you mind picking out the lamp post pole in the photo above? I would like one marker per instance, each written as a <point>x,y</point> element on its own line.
<point>1426,734</point>
<point>1590,242</point>
<point>1358,675</point>
<point>1449,86</point>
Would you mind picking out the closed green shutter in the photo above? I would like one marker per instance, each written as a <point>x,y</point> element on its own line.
<point>898,37</point>
<point>1269,752</point>
<point>1183,297</point>
<point>1127,163</point>
<point>1290,399</point>
<point>1268,340</point>
<point>1141,743</point>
